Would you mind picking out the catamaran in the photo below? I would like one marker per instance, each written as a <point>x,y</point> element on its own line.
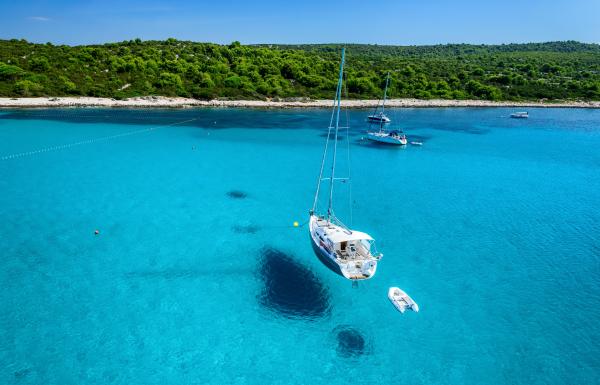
<point>347,252</point>
<point>379,116</point>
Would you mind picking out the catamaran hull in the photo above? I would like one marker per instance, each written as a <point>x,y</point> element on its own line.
<point>325,259</point>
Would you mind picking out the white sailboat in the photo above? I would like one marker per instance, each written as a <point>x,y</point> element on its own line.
<point>347,252</point>
<point>389,137</point>
<point>379,116</point>
<point>384,135</point>
<point>520,115</point>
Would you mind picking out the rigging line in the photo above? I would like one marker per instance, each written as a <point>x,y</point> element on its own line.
<point>394,115</point>
<point>348,154</point>
<point>89,141</point>
<point>376,107</point>
<point>314,208</point>
<point>286,226</point>
<point>387,80</point>
<point>337,124</point>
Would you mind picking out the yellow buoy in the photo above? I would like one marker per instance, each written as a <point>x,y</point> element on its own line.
<point>296,224</point>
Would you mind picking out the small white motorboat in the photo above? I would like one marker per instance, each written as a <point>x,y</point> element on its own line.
<point>416,143</point>
<point>401,300</point>
<point>520,115</point>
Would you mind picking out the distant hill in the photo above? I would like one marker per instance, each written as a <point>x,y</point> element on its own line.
<point>555,70</point>
<point>443,49</point>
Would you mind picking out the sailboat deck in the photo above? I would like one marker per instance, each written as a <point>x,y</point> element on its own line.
<point>355,250</point>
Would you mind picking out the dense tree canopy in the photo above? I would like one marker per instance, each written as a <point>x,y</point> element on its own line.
<point>557,70</point>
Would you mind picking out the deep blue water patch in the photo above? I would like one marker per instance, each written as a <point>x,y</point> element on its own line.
<point>214,118</point>
<point>237,194</point>
<point>125,116</point>
<point>21,374</point>
<point>290,289</point>
<point>350,343</point>
<point>245,229</point>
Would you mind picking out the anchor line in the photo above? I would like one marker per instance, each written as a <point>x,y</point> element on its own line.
<point>90,141</point>
<point>287,226</point>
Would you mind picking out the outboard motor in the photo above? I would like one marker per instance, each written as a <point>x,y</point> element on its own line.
<point>367,266</point>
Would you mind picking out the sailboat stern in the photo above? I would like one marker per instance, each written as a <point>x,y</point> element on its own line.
<point>359,270</point>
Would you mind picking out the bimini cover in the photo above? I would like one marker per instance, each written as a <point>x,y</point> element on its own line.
<point>338,236</point>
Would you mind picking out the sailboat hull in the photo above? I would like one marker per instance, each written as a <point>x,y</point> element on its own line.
<point>385,138</point>
<point>375,118</point>
<point>324,257</point>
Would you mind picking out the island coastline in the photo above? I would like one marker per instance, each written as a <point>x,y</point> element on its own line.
<point>179,102</point>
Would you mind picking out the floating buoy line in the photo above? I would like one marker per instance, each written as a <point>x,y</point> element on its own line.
<point>90,141</point>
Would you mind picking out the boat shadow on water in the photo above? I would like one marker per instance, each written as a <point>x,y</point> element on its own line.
<point>418,138</point>
<point>290,289</point>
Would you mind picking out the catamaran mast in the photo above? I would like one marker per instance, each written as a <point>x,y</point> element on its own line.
<point>337,124</point>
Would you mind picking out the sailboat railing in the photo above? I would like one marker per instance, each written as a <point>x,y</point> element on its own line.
<point>339,223</point>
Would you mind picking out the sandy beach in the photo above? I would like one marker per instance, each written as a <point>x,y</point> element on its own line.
<point>177,102</point>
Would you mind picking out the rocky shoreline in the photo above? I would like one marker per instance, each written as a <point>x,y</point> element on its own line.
<point>177,102</point>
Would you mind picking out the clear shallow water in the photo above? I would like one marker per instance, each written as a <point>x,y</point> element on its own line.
<point>197,277</point>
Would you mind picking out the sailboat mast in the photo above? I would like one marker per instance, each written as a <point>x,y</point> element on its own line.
<point>387,81</point>
<point>337,125</point>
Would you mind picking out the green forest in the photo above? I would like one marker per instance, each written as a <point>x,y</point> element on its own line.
<point>551,71</point>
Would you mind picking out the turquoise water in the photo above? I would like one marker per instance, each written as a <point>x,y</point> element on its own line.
<point>197,275</point>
